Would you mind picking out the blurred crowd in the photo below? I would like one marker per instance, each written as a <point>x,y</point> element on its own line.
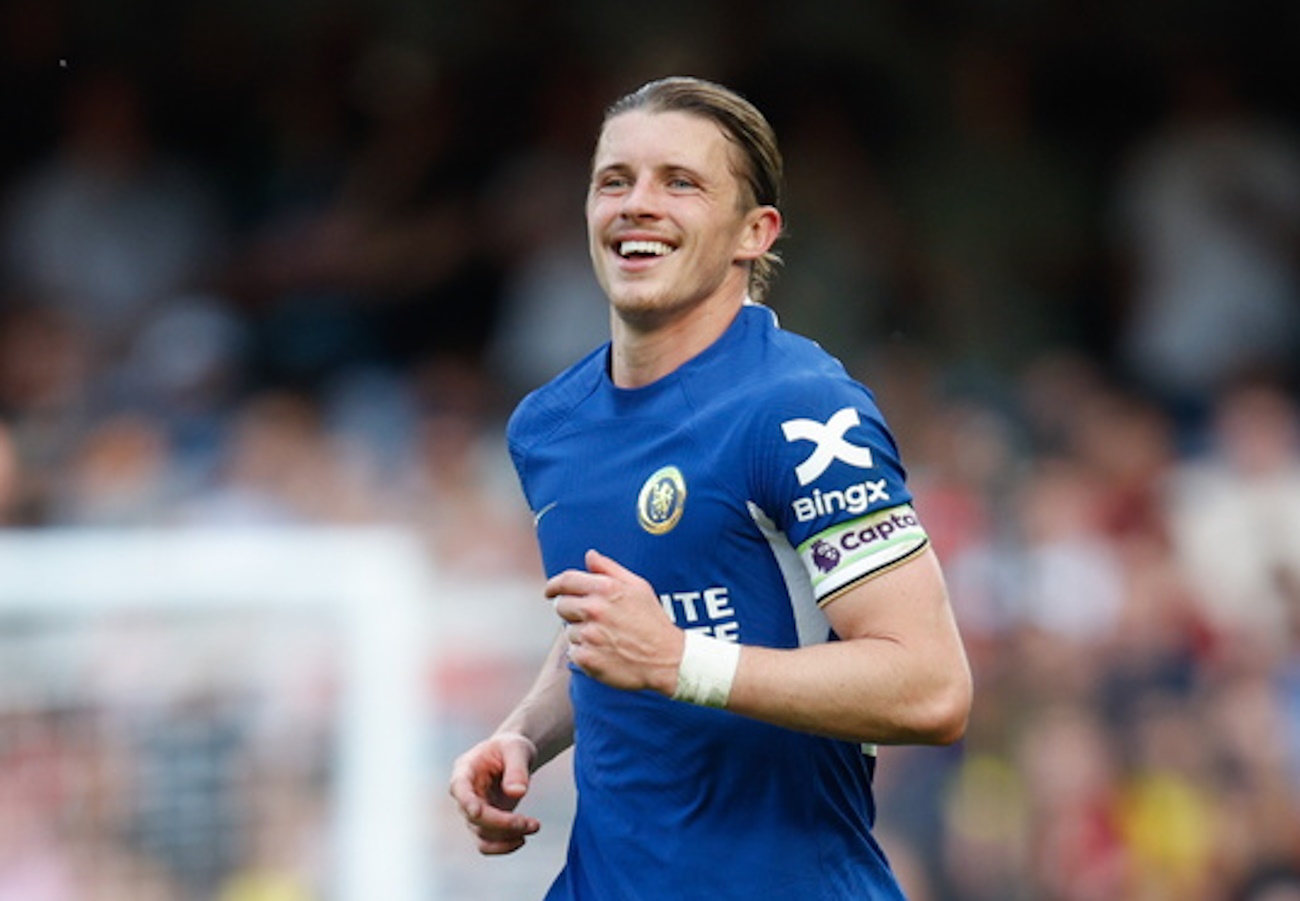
<point>292,265</point>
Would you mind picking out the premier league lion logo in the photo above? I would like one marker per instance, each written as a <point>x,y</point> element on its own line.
<point>825,556</point>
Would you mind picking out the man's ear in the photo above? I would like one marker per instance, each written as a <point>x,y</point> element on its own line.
<point>762,228</point>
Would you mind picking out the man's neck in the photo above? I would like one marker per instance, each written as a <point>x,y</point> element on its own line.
<point>642,354</point>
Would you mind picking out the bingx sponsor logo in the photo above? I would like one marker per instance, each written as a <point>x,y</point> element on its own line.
<point>829,443</point>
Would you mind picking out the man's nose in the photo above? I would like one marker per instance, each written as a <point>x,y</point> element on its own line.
<point>642,199</point>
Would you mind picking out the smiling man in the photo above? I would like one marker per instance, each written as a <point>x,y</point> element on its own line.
<point>749,602</point>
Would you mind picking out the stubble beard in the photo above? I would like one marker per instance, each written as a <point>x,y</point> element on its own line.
<point>649,308</point>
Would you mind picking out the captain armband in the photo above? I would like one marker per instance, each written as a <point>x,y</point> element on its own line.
<point>707,670</point>
<point>848,551</point>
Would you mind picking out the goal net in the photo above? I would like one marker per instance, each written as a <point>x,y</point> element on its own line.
<point>248,715</point>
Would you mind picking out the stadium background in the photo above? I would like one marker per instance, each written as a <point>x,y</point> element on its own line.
<point>286,265</point>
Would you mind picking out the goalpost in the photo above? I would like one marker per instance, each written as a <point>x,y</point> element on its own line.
<point>129,655</point>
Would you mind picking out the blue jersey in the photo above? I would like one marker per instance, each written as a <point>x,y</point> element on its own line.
<point>748,487</point>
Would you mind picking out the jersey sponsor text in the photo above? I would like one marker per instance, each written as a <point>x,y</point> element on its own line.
<point>708,611</point>
<point>856,499</point>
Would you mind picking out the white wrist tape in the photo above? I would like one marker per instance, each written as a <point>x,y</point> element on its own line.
<point>707,670</point>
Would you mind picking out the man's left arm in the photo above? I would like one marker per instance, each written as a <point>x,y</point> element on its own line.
<point>898,675</point>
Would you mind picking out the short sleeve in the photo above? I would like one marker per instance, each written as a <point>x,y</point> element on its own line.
<point>829,476</point>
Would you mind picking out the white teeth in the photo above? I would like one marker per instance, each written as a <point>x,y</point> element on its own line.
<point>654,248</point>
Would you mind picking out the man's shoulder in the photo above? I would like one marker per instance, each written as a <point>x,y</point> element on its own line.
<point>787,367</point>
<point>544,408</point>
<point>787,355</point>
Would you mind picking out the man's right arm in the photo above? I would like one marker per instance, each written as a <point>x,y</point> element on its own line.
<point>490,779</point>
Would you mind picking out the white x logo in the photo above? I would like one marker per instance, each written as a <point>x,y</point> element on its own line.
<point>830,441</point>
<point>875,490</point>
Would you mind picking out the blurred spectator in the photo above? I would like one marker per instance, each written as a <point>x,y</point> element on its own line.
<point>1128,446</point>
<point>1271,883</point>
<point>967,462</point>
<point>1258,800</point>
<point>34,864</point>
<point>278,467</point>
<point>186,816</point>
<point>1166,816</point>
<point>186,365</point>
<point>996,214</point>
<point>843,229</point>
<point>12,477</point>
<point>1073,783</point>
<point>280,860</point>
<point>458,487</point>
<point>1235,515</point>
<point>987,847</point>
<point>370,247</point>
<point>1208,221</point>
<point>120,476</point>
<point>552,311</point>
<point>46,383</point>
<point>109,225</point>
<point>1069,578</point>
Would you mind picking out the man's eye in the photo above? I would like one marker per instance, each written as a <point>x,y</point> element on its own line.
<point>681,183</point>
<point>612,183</point>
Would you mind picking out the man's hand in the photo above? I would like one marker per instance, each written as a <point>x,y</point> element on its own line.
<point>488,781</point>
<point>618,632</point>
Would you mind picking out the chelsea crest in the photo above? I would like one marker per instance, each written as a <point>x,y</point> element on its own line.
<point>662,499</point>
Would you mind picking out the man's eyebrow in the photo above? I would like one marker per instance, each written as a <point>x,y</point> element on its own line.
<point>697,174</point>
<point>608,168</point>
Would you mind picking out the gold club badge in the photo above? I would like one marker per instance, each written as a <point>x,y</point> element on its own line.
<point>662,498</point>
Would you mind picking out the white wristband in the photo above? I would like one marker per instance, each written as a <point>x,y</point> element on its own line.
<point>707,670</point>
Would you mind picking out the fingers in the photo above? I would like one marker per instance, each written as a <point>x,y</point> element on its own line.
<point>575,583</point>
<point>603,578</point>
<point>498,835</point>
<point>516,774</point>
<point>491,848</point>
<point>599,564</point>
<point>498,831</point>
<point>487,782</point>
<point>573,593</point>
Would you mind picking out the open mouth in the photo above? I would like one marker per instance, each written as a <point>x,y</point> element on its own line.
<point>642,250</point>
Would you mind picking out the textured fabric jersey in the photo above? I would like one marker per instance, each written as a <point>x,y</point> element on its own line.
<point>748,487</point>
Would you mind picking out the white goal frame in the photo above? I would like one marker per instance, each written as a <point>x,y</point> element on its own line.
<point>377,584</point>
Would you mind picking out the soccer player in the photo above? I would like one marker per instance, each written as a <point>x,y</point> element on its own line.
<point>749,602</point>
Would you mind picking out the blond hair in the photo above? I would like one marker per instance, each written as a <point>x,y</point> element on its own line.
<point>760,165</point>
